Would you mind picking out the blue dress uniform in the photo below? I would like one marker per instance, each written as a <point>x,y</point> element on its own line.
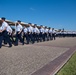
<point>35,33</point>
<point>30,33</point>
<point>53,34</point>
<point>5,33</point>
<point>25,31</point>
<point>50,33</point>
<point>38,32</point>
<point>46,34</point>
<point>41,34</point>
<point>9,30</point>
<point>18,33</point>
<point>1,37</point>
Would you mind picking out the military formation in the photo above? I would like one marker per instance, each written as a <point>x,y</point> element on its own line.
<point>27,35</point>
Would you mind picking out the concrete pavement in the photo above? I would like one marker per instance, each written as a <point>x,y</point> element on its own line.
<point>33,59</point>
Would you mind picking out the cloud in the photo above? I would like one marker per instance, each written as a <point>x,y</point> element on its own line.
<point>32,9</point>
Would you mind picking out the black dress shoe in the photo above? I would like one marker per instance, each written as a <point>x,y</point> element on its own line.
<point>10,46</point>
<point>27,43</point>
<point>22,43</point>
<point>15,45</point>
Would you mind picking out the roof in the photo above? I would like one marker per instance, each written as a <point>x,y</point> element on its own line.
<point>13,23</point>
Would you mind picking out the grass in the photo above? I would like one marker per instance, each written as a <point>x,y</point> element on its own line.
<point>69,68</point>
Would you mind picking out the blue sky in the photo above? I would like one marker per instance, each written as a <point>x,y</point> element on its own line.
<point>52,13</point>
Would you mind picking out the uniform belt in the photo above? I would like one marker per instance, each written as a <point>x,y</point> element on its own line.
<point>25,33</point>
<point>18,31</point>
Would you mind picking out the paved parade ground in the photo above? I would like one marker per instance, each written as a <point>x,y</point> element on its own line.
<point>43,58</point>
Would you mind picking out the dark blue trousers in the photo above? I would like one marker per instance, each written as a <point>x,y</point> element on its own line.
<point>1,38</point>
<point>27,38</point>
<point>6,37</point>
<point>18,36</point>
<point>40,35</point>
<point>31,37</point>
<point>35,37</point>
